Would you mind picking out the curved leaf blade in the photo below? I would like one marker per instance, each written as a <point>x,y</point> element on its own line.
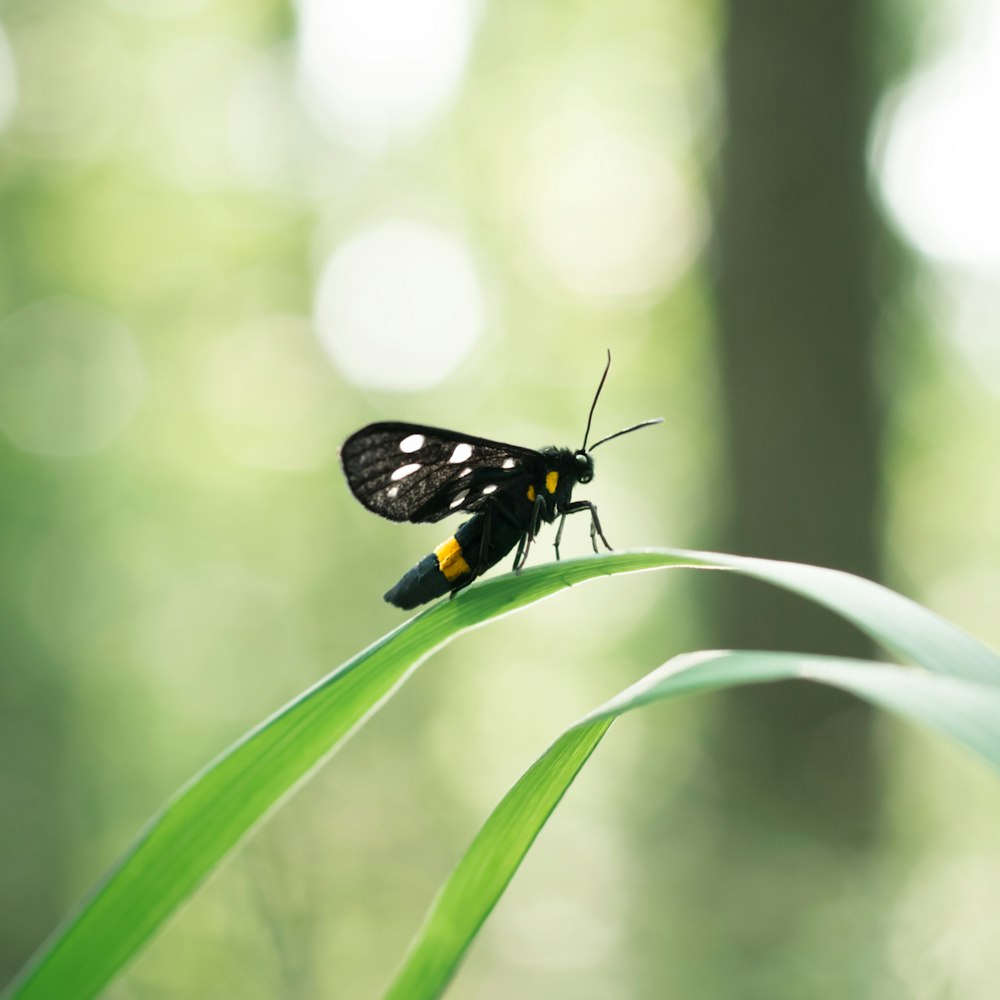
<point>205,820</point>
<point>967,712</point>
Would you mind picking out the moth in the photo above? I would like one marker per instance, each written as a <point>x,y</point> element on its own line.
<point>409,472</point>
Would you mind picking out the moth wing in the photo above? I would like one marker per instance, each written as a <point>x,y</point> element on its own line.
<point>409,472</point>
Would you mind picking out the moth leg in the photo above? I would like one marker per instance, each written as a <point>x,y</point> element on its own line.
<point>534,523</point>
<point>519,554</point>
<point>595,524</point>
<point>484,546</point>
<point>562,522</point>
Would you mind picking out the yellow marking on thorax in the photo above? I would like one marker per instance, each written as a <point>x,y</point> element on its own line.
<point>531,493</point>
<point>552,481</point>
<point>451,562</point>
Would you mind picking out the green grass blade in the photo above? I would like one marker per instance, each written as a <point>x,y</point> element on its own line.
<point>490,863</point>
<point>967,712</point>
<point>207,818</point>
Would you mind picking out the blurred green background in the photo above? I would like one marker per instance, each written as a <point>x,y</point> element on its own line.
<point>233,232</point>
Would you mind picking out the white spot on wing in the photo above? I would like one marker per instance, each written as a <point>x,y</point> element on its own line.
<point>405,470</point>
<point>412,443</point>
<point>487,490</point>
<point>465,472</point>
<point>509,463</point>
<point>459,499</point>
<point>392,492</point>
<point>461,453</point>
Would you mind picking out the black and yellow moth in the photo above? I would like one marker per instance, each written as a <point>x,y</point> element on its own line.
<point>409,472</point>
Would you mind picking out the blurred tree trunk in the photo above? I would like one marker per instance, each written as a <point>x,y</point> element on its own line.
<point>793,808</point>
<point>796,324</point>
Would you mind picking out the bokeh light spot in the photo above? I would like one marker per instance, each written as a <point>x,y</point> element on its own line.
<point>8,80</point>
<point>951,957</point>
<point>274,143</point>
<point>185,129</point>
<point>383,66</point>
<point>69,106</point>
<point>610,216</point>
<point>400,305</point>
<point>71,378</point>
<point>937,151</point>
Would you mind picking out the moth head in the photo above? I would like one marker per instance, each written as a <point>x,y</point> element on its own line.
<point>584,467</point>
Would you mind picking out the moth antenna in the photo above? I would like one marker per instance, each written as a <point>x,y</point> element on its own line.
<point>628,430</point>
<point>600,386</point>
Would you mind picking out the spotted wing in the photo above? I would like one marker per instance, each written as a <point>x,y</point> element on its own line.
<point>408,472</point>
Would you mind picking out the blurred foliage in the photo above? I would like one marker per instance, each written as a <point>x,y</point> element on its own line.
<point>180,555</point>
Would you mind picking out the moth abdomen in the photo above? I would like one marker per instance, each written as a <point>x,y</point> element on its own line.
<point>479,543</point>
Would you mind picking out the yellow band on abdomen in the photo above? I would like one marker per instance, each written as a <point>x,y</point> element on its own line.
<point>552,481</point>
<point>451,562</point>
